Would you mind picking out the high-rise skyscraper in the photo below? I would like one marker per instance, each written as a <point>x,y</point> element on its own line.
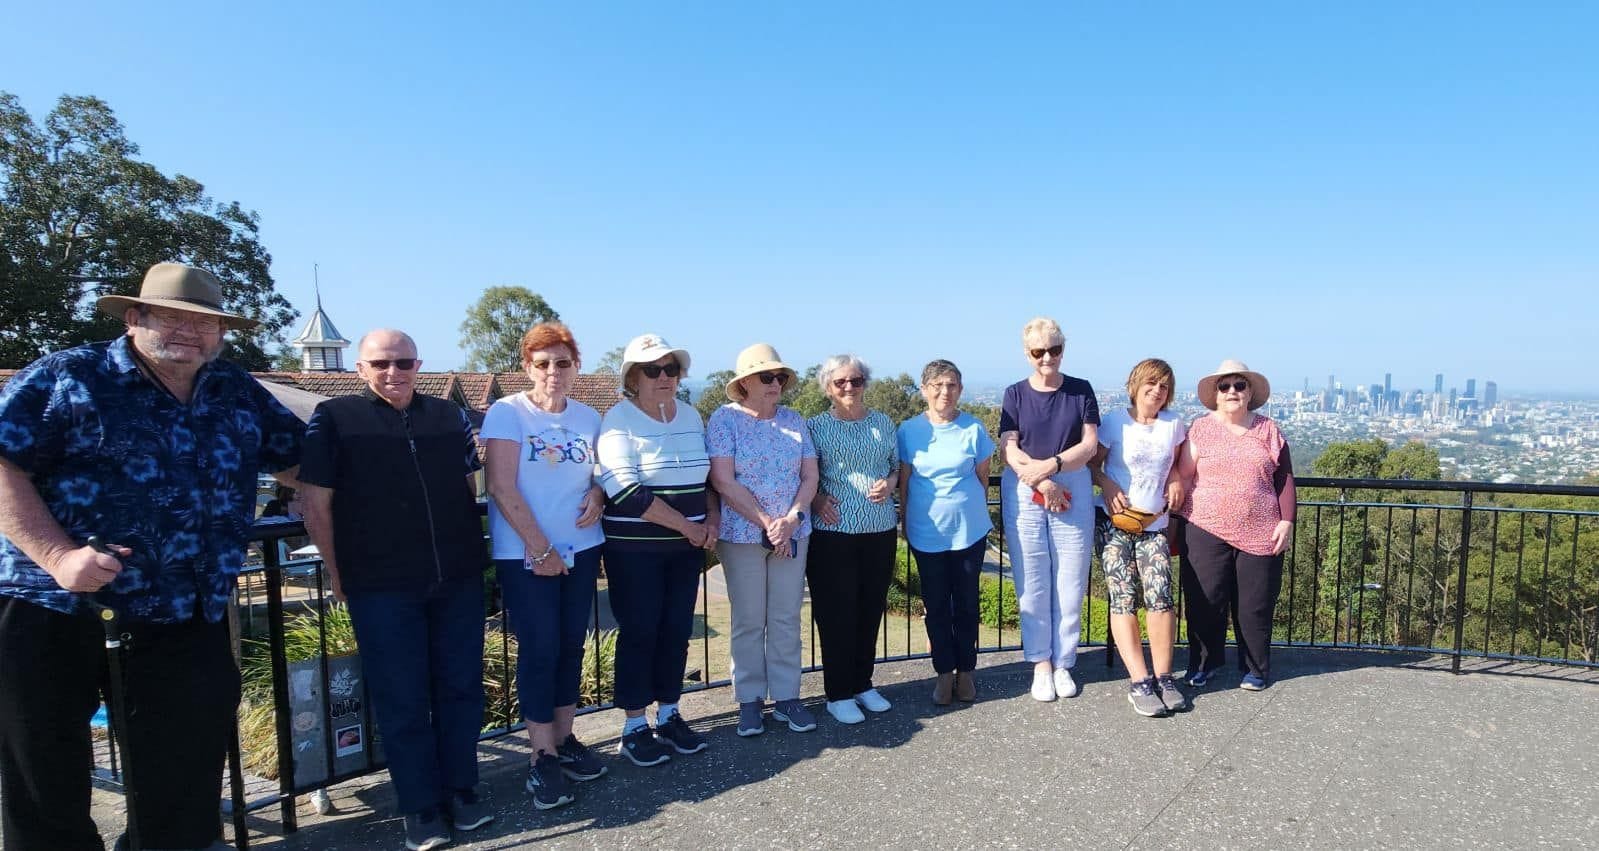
<point>1490,394</point>
<point>1387,383</point>
<point>1438,384</point>
<point>1471,387</point>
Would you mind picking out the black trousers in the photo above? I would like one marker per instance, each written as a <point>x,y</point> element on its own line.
<point>182,696</point>
<point>1217,578</point>
<point>849,576</point>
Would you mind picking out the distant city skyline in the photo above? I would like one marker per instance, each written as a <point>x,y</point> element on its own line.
<point>1361,187</point>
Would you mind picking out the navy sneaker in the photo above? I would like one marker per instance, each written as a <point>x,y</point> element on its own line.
<point>577,761</point>
<point>1253,682</point>
<point>677,733</point>
<point>1198,679</point>
<point>799,719</point>
<point>640,747</point>
<point>547,784</point>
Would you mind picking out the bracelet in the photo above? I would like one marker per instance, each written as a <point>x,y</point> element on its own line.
<point>1058,464</point>
<point>546,554</point>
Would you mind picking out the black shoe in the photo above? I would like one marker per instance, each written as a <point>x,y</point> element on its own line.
<point>679,735</point>
<point>577,761</point>
<point>425,831</point>
<point>467,810</point>
<point>547,784</point>
<point>641,747</point>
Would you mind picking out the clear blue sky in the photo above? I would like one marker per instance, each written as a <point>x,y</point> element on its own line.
<point>1346,188</point>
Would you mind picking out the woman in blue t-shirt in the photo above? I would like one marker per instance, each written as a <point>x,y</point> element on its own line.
<point>943,485</point>
<point>1049,430</point>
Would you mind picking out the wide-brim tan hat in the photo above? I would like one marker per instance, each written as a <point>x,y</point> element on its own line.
<point>649,348</point>
<point>760,357</point>
<point>1259,387</point>
<point>178,287</point>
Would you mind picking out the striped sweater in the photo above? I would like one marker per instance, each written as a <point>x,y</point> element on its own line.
<point>640,459</point>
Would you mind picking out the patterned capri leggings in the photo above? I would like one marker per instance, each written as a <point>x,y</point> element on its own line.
<point>1131,561</point>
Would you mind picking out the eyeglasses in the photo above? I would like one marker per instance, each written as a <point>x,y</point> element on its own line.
<point>1240,386</point>
<point>854,381</point>
<point>652,370</point>
<point>769,377</point>
<point>171,320</point>
<point>544,365</point>
<point>944,387</point>
<point>402,364</point>
<point>1053,351</point>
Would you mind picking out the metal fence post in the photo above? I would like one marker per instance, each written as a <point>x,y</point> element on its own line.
<point>280,687</point>
<point>1460,580</point>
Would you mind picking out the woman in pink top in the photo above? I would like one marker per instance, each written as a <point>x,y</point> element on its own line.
<point>1240,519</point>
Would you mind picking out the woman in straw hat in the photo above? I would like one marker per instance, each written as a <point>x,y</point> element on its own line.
<point>1136,471</point>
<point>763,466</point>
<point>1240,519</point>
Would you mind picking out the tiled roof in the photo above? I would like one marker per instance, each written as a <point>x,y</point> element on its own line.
<point>329,383</point>
<point>598,390</point>
<point>479,388</point>
<point>5,375</point>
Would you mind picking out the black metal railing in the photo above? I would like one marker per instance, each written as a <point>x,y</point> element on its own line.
<point>1463,568</point>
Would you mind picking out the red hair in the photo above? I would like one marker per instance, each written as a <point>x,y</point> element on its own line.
<point>547,335</point>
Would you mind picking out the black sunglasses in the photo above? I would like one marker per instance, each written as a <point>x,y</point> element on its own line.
<point>856,381</point>
<point>1240,385</point>
<point>769,377</point>
<point>1053,351</point>
<point>672,370</point>
<point>398,363</point>
<point>544,365</point>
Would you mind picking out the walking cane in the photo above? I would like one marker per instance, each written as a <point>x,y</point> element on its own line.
<point>111,622</point>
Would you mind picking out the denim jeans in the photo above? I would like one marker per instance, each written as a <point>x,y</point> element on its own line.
<point>652,598</point>
<point>422,656</point>
<point>550,616</point>
<point>949,590</point>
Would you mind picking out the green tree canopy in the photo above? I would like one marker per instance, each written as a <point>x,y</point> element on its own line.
<point>611,361</point>
<point>1373,459</point>
<point>492,332</point>
<point>81,217</point>
<point>898,398</point>
<point>713,395</point>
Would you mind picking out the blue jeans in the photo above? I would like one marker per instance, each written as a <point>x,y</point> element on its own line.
<point>949,590</point>
<point>550,616</point>
<point>422,655</point>
<point>652,598</point>
<point>1050,554</point>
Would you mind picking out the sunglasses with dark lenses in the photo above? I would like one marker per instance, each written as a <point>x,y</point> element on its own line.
<point>1239,385</point>
<point>544,365</point>
<point>672,370</point>
<point>1053,351</point>
<point>397,363</point>
<point>856,382</point>
<point>769,377</point>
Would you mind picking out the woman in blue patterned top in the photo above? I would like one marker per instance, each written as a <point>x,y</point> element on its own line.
<point>852,547</point>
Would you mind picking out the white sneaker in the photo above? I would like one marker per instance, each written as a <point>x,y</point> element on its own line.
<point>845,711</point>
<point>874,701</point>
<point>1043,689</point>
<point>1065,686</point>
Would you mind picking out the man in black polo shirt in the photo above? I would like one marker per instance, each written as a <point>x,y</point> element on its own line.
<point>390,503</point>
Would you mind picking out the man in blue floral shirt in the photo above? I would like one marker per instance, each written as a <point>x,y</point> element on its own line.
<point>154,445</point>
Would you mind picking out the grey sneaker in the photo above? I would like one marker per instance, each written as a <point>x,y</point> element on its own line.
<point>577,761</point>
<point>750,720</point>
<point>425,830</point>
<point>799,719</point>
<point>547,784</point>
<point>1172,696</point>
<point>467,810</point>
<point>1144,699</point>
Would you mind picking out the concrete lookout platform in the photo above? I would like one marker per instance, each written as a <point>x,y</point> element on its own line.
<point>1347,749</point>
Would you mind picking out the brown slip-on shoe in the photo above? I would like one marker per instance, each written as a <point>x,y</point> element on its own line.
<point>965,686</point>
<point>943,688</point>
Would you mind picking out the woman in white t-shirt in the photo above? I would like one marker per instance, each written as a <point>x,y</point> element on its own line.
<point>543,519</point>
<point>1135,471</point>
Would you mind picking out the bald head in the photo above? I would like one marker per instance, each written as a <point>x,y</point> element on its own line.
<point>388,363</point>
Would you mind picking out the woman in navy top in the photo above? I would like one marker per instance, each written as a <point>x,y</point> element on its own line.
<point>1048,431</point>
